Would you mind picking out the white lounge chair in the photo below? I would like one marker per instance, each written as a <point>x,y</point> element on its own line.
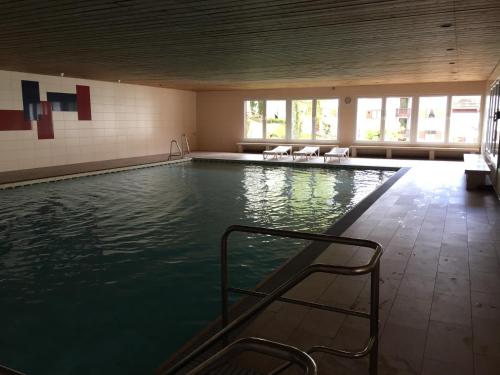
<point>277,151</point>
<point>307,151</point>
<point>337,152</point>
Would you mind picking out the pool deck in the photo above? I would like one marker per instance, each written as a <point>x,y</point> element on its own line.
<point>440,278</point>
<point>440,274</point>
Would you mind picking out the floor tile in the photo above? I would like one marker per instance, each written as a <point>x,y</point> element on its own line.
<point>486,337</point>
<point>401,353</point>
<point>435,367</point>
<point>454,266</point>
<point>486,305</point>
<point>452,284</point>
<point>449,343</point>
<point>417,286</point>
<point>451,308</point>
<point>410,312</point>
<point>486,365</point>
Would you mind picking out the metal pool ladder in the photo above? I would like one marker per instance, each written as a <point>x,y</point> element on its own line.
<point>185,145</point>
<point>182,150</point>
<point>372,267</point>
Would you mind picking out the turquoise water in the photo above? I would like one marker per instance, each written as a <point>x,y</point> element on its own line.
<point>110,274</point>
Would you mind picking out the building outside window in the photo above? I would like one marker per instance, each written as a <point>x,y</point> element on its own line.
<point>432,118</point>
<point>276,119</point>
<point>464,119</point>
<point>369,119</point>
<point>398,119</point>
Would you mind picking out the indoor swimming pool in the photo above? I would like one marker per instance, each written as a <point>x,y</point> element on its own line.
<point>112,273</point>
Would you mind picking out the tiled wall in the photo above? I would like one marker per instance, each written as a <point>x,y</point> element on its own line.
<point>127,120</point>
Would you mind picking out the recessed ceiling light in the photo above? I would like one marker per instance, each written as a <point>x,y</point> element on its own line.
<point>445,25</point>
<point>450,49</point>
<point>452,62</point>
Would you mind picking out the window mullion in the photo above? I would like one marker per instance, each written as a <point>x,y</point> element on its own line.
<point>414,119</point>
<point>448,120</point>
<point>264,125</point>
<point>288,130</point>
<point>313,120</point>
<point>382,120</point>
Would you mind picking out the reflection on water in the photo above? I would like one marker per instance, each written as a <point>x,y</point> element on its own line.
<point>117,271</point>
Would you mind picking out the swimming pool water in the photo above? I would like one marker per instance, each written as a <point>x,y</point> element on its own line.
<point>112,273</point>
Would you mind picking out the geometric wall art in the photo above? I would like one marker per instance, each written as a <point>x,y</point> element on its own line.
<point>41,112</point>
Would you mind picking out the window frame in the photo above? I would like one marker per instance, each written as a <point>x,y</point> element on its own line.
<point>263,120</point>
<point>313,118</point>
<point>411,124</point>
<point>315,101</point>
<point>413,140</point>
<point>446,120</point>
<point>382,122</point>
<point>479,134</point>
<point>288,122</point>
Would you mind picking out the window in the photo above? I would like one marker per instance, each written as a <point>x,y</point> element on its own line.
<point>397,119</point>
<point>492,128</point>
<point>276,119</point>
<point>327,118</point>
<point>431,118</point>
<point>254,119</point>
<point>464,119</point>
<point>302,119</point>
<point>369,119</point>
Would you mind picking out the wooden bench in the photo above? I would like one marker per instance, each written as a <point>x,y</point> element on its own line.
<point>476,170</point>
<point>430,150</point>
<point>270,145</point>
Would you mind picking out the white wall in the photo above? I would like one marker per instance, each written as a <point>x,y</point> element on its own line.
<point>127,121</point>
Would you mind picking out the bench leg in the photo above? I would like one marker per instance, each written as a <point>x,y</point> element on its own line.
<point>474,180</point>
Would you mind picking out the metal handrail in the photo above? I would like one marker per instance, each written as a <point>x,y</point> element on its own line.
<point>262,346</point>
<point>180,153</point>
<point>188,150</point>
<point>372,267</point>
<point>338,352</point>
<point>8,371</point>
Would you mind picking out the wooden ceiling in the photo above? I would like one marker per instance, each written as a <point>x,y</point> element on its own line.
<point>228,44</point>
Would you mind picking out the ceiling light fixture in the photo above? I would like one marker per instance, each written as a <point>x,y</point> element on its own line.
<point>446,25</point>
<point>452,62</point>
<point>450,49</point>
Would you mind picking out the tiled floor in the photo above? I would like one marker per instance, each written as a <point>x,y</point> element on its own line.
<point>8,177</point>
<point>440,281</point>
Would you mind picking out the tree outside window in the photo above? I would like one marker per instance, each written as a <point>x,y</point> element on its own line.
<point>302,119</point>
<point>276,119</point>
<point>254,119</point>
<point>327,116</point>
